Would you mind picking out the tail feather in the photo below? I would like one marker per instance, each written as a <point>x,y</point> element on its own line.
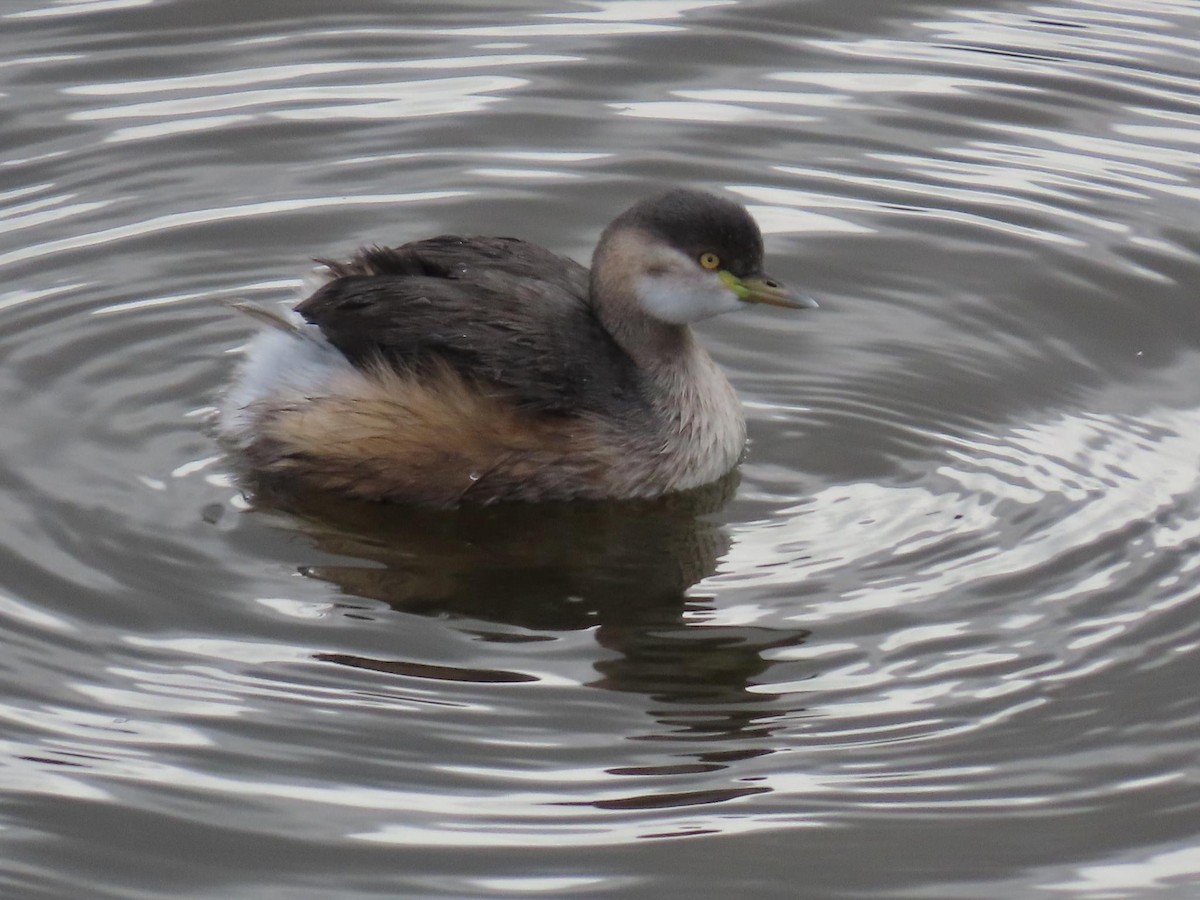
<point>270,318</point>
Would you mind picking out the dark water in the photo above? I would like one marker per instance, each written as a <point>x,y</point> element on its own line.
<point>943,641</point>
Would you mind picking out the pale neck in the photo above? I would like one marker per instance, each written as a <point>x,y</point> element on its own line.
<point>677,370</point>
<point>657,347</point>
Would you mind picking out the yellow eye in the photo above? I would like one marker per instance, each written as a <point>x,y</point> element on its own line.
<point>709,260</point>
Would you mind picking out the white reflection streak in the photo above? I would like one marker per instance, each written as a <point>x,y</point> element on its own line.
<point>21,297</point>
<point>592,28</point>
<point>269,74</point>
<point>789,220</point>
<point>252,652</point>
<point>1167,868</point>
<point>415,93</point>
<point>17,610</point>
<point>206,216</point>
<point>745,96</point>
<point>490,156</point>
<point>105,728</point>
<point>182,126</point>
<point>526,174</point>
<point>21,775</point>
<point>77,8</point>
<point>702,111</point>
<point>899,83</point>
<point>170,699</point>
<point>921,634</point>
<point>640,10</point>
<point>501,833</point>
<point>523,886</point>
<point>14,220</point>
<point>1161,134</point>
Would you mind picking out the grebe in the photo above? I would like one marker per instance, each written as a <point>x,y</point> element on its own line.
<point>482,369</point>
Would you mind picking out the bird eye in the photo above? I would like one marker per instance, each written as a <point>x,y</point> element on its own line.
<point>709,260</point>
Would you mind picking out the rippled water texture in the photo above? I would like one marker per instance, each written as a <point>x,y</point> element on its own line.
<point>941,643</point>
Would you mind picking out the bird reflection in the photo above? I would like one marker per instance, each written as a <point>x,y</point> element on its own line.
<point>620,569</point>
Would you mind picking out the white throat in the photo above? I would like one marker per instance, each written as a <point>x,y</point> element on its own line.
<point>680,299</point>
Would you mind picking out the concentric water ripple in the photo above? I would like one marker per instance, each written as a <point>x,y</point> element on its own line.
<point>937,639</point>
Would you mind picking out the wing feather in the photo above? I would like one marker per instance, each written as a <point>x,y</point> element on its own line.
<point>498,310</point>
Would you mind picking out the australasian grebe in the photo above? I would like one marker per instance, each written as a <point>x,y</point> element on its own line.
<point>479,369</point>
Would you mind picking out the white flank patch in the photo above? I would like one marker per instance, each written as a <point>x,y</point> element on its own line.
<point>279,366</point>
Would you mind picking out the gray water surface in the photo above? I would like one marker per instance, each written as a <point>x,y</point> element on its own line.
<point>940,642</point>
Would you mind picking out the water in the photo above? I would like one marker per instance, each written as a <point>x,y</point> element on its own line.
<point>941,642</point>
